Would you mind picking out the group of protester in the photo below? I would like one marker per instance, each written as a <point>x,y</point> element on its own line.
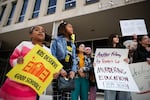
<point>77,64</point>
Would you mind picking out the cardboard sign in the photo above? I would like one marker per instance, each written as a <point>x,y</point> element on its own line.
<point>37,70</point>
<point>141,74</point>
<point>112,72</point>
<point>131,27</point>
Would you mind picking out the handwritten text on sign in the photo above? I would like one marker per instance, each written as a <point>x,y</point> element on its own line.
<point>141,74</point>
<point>37,70</point>
<point>112,72</point>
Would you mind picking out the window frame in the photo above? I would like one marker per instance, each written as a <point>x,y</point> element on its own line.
<point>51,7</point>
<point>2,12</point>
<point>69,2</point>
<point>36,11</point>
<point>24,9</point>
<point>14,4</point>
<point>91,2</point>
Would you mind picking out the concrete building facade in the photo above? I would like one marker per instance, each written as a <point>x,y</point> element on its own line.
<point>92,20</point>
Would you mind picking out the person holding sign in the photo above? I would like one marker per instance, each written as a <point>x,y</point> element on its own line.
<point>63,49</point>
<point>12,90</point>
<point>112,94</point>
<point>142,52</point>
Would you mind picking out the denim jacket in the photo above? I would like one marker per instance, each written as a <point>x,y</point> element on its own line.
<point>59,50</point>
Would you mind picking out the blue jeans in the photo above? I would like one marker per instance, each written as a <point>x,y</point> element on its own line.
<point>116,95</point>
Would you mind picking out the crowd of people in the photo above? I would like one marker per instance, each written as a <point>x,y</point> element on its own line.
<point>78,64</point>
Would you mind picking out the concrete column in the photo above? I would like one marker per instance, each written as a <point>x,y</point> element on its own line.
<point>55,29</point>
<point>6,14</point>
<point>30,8</point>
<point>80,3</point>
<point>43,7</point>
<point>17,11</point>
<point>60,6</point>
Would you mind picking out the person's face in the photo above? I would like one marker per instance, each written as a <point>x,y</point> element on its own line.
<point>145,40</point>
<point>135,37</point>
<point>88,51</point>
<point>69,29</point>
<point>82,48</point>
<point>38,33</point>
<point>116,39</point>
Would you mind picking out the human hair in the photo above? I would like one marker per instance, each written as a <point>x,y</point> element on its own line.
<point>31,29</point>
<point>140,37</point>
<point>47,37</point>
<point>110,40</point>
<point>77,47</point>
<point>62,28</point>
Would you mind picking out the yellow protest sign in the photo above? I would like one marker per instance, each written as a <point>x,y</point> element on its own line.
<point>37,70</point>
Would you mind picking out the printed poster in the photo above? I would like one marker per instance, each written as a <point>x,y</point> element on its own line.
<point>37,70</point>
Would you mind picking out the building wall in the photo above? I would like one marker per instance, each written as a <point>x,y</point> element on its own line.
<point>81,9</point>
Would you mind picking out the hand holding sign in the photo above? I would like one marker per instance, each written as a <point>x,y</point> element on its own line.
<point>20,60</point>
<point>37,70</point>
<point>112,72</point>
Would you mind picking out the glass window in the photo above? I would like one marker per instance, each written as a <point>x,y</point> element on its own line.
<point>70,4</point>
<point>2,12</point>
<point>51,6</point>
<point>91,1</point>
<point>36,9</point>
<point>23,11</point>
<point>11,13</point>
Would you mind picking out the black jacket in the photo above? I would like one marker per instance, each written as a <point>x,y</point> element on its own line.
<point>141,54</point>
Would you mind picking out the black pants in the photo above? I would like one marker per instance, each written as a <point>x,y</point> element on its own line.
<point>59,95</point>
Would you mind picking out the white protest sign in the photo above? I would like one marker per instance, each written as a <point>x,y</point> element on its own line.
<point>130,27</point>
<point>141,74</point>
<point>112,72</point>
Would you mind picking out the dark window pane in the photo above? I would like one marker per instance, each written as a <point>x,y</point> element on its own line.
<point>51,6</point>
<point>36,9</point>
<point>35,15</point>
<point>51,10</point>
<point>21,18</point>
<point>70,4</point>
<point>2,12</point>
<point>37,5</point>
<point>91,1</point>
<point>11,13</point>
<point>52,2</point>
